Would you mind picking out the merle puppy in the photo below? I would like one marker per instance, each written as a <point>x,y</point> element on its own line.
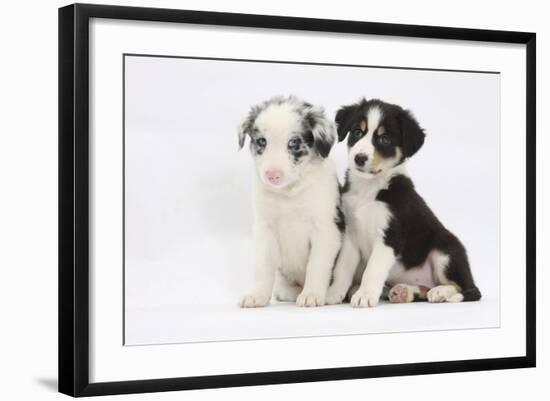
<point>298,223</point>
<point>392,237</point>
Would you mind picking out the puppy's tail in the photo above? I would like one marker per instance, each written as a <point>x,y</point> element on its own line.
<point>471,294</point>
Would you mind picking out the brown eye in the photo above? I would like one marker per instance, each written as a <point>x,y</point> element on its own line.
<point>384,140</point>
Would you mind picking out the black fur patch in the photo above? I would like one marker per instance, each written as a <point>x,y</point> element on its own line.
<point>307,137</point>
<point>310,120</point>
<point>315,120</point>
<point>417,297</point>
<point>299,150</point>
<point>247,126</point>
<point>345,188</point>
<point>412,135</point>
<point>323,147</point>
<point>414,231</point>
<point>345,116</point>
<point>255,147</point>
<point>333,267</point>
<point>384,149</point>
<point>340,220</point>
<point>355,136</point>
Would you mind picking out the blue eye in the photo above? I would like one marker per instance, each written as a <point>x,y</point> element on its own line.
<point>261,142</point>
<point>293,142</point>
<point>357,133</point>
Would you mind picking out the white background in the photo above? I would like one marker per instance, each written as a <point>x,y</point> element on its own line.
<point>29,204</point>
<point>110,361</point>
<point>189,248</point>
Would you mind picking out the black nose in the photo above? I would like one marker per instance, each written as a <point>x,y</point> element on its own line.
<point>360,159</point>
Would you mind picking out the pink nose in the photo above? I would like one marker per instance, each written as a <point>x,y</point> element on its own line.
<point>274,176</point>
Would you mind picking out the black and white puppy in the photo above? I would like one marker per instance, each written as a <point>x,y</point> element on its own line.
<point>298,223</point>
<point>392,237</point>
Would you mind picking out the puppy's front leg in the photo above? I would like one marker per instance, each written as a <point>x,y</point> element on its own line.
<point>344,271</point>
<point>267,259</point>
<point>325,243</point>
<point>372,283</point>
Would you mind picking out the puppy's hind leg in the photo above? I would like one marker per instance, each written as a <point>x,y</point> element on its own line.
<point>451,272</point>
<point>284,290</point>
<point>404,293</point>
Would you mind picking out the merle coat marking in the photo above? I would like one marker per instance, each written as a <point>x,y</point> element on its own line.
<point>298,223</point>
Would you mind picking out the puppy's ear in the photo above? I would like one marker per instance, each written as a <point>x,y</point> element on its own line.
<point>241,135</point>
<point>412,134</point>
<point>322,130</point>
<point>344,119</point>
<point>247,126</point>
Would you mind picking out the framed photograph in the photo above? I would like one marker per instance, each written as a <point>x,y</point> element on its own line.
<point>252,199</point>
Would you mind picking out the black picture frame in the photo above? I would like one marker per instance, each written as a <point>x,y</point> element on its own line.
<point>74,198</point>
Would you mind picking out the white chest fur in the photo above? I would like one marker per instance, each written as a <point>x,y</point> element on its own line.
<point>291,224</point>
<point>294,217</point>
<point>366,217</point>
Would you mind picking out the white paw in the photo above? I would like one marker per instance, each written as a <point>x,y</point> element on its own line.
<point>254,300</point>
<point>334,296</point>
<point>365,298</point>
<point>352,291</point>
<point>310,298</point>
<point>444,293</point>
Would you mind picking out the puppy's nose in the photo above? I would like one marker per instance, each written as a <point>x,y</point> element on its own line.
<point>274,176</point>
<point>360,159</point>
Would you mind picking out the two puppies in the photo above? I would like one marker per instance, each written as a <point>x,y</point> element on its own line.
<point>390,236</point>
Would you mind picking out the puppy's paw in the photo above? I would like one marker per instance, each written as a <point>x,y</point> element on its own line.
<point>351,291</point>
<point>335,296</point>
<point>254,300</point>
<point>444,293</point>
<point>287,293</point>
<point>365,298</point>
<point>401,293</point>
<point>310,298</point>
